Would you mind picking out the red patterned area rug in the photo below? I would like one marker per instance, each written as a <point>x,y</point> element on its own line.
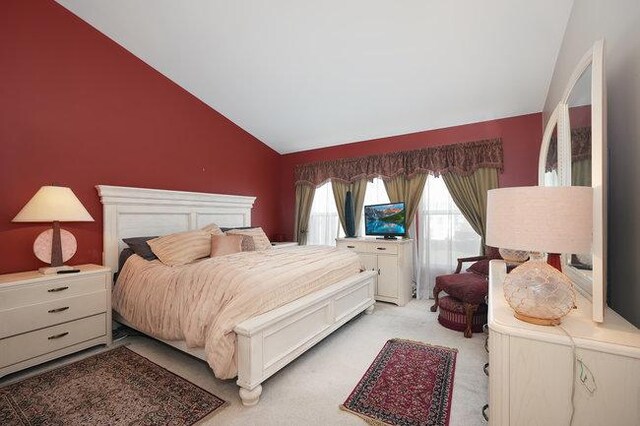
<point>118,387</point>
<point>409,383</point>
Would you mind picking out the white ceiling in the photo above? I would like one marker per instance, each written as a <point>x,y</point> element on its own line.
<point>300,74</point>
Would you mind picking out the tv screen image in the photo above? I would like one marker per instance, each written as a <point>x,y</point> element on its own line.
<point>385,219</point>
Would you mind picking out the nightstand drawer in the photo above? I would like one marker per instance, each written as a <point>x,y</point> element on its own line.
<point>30,345</point>
<point>32,317</point>
<point>53,289</point>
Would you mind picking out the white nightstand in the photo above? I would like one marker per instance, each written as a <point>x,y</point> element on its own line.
<point>43,317</point>
<point>283,244</point>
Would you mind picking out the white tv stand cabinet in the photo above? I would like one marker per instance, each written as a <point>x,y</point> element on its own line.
<point>391,259</point>
<point>530,366</point>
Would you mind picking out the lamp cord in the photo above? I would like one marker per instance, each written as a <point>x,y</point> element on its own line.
<point>573,373</point>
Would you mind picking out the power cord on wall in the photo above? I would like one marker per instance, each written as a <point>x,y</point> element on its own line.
<point>586,376</point>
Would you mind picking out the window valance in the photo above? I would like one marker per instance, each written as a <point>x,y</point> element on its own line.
<point>462,158</point>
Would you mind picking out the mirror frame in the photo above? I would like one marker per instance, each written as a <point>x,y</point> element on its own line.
<point>594,289</point>
<point>564,167</point>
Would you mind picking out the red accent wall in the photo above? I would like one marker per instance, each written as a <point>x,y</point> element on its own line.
<point>521,138</point>
<point>78,110</point>
<point>580,116</point>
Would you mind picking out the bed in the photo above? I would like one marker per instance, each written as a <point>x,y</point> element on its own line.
<point>264,343</point>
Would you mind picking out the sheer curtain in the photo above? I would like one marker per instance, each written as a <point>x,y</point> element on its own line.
<point>551,178</point>
<point>444,235</point>
<point>375,194</point>
<point>324,224</point>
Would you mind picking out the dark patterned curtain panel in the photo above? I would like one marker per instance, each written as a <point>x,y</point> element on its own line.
<point>462,159</point>
<point>581,144</point>
<point>580,148</point>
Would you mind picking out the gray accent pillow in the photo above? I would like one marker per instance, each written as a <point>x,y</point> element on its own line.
<point>124,255</point>
<point>236,227</point>
<point>140,247</point>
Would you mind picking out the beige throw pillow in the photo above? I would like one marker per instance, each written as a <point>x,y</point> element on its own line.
<point>213,229</point>
<point>182,248</point>
<point>222,245</point>
<point>260,239</point>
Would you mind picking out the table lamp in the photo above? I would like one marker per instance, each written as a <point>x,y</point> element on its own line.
<point>540,220</point>
<point>54,204</point>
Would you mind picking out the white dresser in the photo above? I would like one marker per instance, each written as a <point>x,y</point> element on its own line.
<point>43,317</point>
<point>391,259</point>
<point>530,366</point>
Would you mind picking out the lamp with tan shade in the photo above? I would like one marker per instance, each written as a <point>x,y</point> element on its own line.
<point>54,204</point>
<point>540,220</point>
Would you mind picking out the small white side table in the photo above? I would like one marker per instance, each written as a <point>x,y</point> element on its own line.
<point>283,244</point>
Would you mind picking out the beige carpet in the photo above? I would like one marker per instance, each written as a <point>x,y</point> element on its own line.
<point>310,390</point>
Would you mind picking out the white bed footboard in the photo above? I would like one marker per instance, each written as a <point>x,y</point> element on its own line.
<point>270,341</point>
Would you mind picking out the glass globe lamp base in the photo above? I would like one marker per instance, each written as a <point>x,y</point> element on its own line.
<point>513,256</point>
<point>539,293</point>
<point>536,321</point>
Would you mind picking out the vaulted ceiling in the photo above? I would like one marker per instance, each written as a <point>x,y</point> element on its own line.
<point>300,74</point>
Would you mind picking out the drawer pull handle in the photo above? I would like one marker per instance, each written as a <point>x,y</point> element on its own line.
<point>57,336</point>
<point>351,246</point>
<point>381,248</point>
<point>378,271</point>
<point>53,311</point>
<point>57,289</point>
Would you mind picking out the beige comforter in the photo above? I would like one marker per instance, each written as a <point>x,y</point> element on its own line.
<point>202,302</point>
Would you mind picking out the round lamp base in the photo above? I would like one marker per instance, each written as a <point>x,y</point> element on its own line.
<point>42,245</point>
<point>539,293</point>
<point>536,321</point>
<point>513,256</point>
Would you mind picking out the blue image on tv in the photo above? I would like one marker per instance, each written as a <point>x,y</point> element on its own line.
<point>385,219</point>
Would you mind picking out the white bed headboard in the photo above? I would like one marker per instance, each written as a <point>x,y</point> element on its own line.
<point>138,212</point>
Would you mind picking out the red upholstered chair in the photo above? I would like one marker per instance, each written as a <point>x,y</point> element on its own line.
<point>469,288</point>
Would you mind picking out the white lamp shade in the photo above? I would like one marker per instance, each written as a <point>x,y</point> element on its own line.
<point>542,219</point>
<point>53,203</point>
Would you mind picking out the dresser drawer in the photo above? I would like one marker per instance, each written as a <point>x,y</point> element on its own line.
<point>32,317</point>
<point>29,345</point>
<point>356,246</point>
<point>50,290</point>
<point>382,248</point>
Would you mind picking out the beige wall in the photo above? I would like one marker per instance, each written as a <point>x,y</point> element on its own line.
<point>618,22</point>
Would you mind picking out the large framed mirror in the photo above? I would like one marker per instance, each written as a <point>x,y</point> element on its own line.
<point>551,171</point>
<point>573,152</point>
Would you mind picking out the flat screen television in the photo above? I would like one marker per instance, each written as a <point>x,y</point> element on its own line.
<point>385,220</point>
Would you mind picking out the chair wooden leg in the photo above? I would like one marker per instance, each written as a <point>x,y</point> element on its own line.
<point>469,310</point>
<point>436,293</point>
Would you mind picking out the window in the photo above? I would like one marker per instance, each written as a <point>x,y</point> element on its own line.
<point>375,194</point>
<point>551,178</point>
<point>444,235</point>
<point>324,223</point>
